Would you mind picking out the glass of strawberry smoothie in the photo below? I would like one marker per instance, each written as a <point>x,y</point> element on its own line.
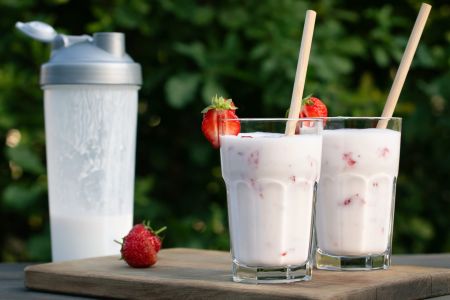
<point>271,182</point>
<point>356,195</point>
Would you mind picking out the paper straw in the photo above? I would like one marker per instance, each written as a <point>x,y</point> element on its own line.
<point>300,75</point>
<point>405,64</point>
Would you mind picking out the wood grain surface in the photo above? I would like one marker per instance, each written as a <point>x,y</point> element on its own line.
<point>205,274</point>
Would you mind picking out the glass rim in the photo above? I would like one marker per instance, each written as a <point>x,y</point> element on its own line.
<point>274,119</point>
<point>361,118</point>
<point>313,119</point>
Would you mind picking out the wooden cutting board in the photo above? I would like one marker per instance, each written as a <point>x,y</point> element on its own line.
<point>205,274</point>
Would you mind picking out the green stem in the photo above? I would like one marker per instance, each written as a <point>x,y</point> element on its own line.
<point>160,230</point>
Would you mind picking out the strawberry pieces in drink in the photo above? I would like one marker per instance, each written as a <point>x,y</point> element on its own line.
<point>220,118</point>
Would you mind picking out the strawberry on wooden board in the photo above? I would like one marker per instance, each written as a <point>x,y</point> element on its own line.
<point>138,250</point>
<point>141,245</point>
<point>214,120</point>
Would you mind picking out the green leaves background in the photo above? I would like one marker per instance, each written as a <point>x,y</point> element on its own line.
<point>190,50</point>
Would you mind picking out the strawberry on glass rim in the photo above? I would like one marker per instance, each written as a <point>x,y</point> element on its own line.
<point>313,108</point>
<point>220,114</point>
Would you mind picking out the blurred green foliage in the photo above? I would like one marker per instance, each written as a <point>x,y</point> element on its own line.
<point>191,50</point>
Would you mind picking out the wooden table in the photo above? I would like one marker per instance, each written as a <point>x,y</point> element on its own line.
<point>12,276</point>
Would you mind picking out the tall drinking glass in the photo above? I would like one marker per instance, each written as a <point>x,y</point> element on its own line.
<point>356,195</point>
<point>271,182</point>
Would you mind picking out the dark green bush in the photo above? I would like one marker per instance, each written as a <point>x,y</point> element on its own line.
<point>191,50</point>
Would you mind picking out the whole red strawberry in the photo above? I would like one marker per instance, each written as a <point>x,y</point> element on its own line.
<point>141,245</point>
<point>214,123</point>
<point>313,107</point>
<point>137,250</point>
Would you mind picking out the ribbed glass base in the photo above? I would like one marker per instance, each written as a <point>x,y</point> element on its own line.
<point>283,274</point>
<point>325,261</point>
